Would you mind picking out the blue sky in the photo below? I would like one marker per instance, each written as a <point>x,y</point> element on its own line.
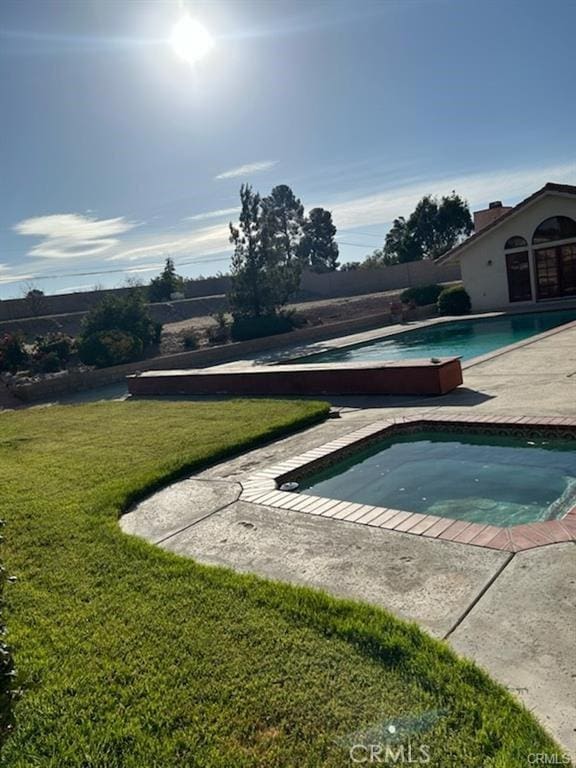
<point>116,153</point>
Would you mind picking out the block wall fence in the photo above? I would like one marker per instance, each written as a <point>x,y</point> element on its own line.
<point>213,290</point>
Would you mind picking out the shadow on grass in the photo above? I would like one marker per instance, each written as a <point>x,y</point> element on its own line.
<point>462,397</point>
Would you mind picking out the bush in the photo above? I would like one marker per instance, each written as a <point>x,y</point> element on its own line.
<point>166,285</point>
<point>245,328</point>
<point>129,314</point>
<point>190,340</point>
<point>110,348</point>
<point>454,301</point>
<point>13,355</point>
<point>54,343</point>
<point>48,362</point>
<point>219,334</point>
<point>296,319</point>
<point>422,295</point>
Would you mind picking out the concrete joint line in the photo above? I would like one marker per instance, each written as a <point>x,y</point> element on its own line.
<point>211,479</point>
<point>200,520</point>
<point>480,595</point>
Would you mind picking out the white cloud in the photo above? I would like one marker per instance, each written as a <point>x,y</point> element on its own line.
<point>7,276</point>
<point>509,186</point>
<point>247,170</point>
<point>205,241</point>
<point>72,235</point>
<point>218,214</point>
<point>14,279</point>
<point>65,236</point>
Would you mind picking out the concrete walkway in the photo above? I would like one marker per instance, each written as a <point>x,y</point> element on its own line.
<point>514,614</point>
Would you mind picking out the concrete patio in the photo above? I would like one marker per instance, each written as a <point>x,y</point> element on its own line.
<point>513,613</point>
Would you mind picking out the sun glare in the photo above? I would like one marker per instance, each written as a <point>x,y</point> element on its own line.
<point>190,40</point>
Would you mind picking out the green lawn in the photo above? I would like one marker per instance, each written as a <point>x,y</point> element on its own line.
<point>130,657</point>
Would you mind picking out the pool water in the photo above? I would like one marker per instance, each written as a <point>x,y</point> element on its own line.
<point>479,478</point>
<point>464,338</point>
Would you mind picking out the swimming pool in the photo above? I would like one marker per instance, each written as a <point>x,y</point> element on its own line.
<point>478,478</point>
<point>464,338</point>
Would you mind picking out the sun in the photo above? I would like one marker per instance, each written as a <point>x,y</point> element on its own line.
<point>191,40</point>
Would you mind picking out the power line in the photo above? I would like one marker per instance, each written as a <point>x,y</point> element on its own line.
<point>356,245</point>
<point>125,270</point>
<point>368,234</point>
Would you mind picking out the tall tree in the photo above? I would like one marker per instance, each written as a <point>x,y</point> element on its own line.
<point>249,284</point>
<point>284,217</point>
<point>261,281</point>
<point>400,244</point>
<point>318,249</point>
<point>431,229</point>
<point>283,224</point>
<point>454,223</point>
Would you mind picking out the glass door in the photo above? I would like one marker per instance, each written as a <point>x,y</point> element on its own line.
<point>547,274</point>
<point>518,269</point>
<point>568,269</point>
<point>556,271</point>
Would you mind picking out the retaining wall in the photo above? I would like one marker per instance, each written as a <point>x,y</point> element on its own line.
<point>60,384</point>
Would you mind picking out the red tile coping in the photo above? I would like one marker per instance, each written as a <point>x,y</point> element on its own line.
<point>263,488</point>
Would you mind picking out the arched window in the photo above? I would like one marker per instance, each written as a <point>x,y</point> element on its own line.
<point>554,228</point>
<point>516,242</point>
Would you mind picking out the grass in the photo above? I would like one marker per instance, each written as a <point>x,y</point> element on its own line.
<point>131,657</point>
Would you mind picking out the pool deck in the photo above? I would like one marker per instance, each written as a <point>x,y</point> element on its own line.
<point>513,612</point>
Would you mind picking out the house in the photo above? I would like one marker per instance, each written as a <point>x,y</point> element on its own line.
<point>522,255</point>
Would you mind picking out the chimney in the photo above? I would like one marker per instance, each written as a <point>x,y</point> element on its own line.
<point>486,216</point>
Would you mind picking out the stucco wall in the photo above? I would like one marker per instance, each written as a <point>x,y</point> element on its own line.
<point>487,283</point>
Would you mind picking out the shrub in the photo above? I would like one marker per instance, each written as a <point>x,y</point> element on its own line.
<point>106,348</point>
<point>54,343</point>
<point>217,335</point>
<point>13,355</point>
<point>221,319</point>
<point>245,328</point>
<point>421,295</point>
<point>191,340</point>
<point>129,314</point>
<point>166,285</point>
<point>48,362</point>
<point>454,301</point>
<point>35,301</point>
<point>295,318</point>
<point>220,334</point>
